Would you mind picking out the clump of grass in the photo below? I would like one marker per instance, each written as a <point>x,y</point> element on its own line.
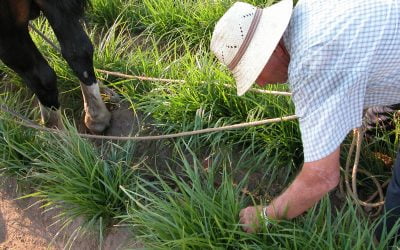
<point>17,143</point>
<point>208,98</point>
<point>186,211</point>
<point>113,46</point>
<point>140,56</point>
<point>82,180</point>
<point>105,13</point>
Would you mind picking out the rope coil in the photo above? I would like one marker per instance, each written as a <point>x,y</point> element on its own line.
<point>352,190</point>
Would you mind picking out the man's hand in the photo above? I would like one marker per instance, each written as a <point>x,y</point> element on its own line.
<point>250,219</point>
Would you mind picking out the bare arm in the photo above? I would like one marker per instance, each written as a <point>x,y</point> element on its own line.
<point>314,181</point>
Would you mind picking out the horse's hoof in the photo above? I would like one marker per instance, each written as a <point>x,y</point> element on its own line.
<point>110,95</point>
<point>51,118</point>
<point>99,123</point>
<point>54,125</point>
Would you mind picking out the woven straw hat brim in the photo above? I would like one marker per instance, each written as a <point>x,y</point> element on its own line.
<point>272,25</point>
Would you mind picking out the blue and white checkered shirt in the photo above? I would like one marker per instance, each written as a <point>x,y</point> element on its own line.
<point>345,57</point>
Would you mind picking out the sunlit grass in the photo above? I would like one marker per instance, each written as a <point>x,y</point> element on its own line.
<point>192,21</point>
<point>105,13</point>
<point>83,180</point>
<point>17,144</point>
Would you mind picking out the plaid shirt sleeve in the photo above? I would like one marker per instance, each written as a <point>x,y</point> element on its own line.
<point>325,122</point>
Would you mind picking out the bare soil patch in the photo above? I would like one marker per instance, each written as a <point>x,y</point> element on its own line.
<point>24,225</point>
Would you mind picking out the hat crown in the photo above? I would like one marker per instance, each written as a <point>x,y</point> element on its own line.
<point>237,20</point>
<point>245,37</point>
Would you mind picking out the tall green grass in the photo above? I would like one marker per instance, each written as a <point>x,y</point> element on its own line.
<point>207,98</point>
<point>200,210</point>
<point>104,13</point>
<point>17,144</point>
<point>82,180</point>
<point>192,21</point>
<point>187,211</point>
<point>67,171</point>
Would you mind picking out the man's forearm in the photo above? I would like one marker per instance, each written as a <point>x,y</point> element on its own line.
<point>314,181</point>
<point>299,197</point>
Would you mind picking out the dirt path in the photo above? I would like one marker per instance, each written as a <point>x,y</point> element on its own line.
<point>18,231</point>
<point>24,225</point>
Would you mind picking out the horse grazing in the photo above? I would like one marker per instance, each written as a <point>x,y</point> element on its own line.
<point>18,52</point>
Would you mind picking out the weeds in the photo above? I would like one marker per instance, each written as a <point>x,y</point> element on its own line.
<point>187,211</point>
<point>83,181</point>
<point>16,143</point>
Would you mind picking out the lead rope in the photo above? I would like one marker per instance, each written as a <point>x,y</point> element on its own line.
<point>30,124</point>
<point>352,190</point>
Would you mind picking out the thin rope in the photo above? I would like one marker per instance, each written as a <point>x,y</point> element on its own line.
<point>352,190</point>
<point>146,78</point>
<point>28,123</point>
<point>142,78</point>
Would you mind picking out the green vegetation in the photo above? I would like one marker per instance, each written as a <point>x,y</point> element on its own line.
<point>188,204</point>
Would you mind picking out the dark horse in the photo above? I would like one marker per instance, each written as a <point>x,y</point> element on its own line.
<point>18,52</point>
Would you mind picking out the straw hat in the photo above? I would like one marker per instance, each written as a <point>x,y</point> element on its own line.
<point>245,37</point>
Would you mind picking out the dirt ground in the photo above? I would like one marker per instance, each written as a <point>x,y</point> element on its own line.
<point>24,225</point>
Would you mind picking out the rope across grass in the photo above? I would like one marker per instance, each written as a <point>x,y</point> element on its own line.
<point>30,124</point>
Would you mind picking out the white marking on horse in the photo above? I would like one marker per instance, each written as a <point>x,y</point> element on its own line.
<point>97,117</point>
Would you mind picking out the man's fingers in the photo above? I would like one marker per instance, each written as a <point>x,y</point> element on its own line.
<point>247,219</point>
<point>249,228</point>
<point>241,213</point>
<point>241,220</point>
<point>246,228</point>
